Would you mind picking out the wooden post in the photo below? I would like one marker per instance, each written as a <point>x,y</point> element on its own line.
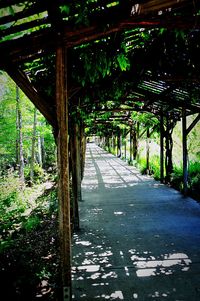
<point>131,145</point>
<point>184,145</point>
<point>63,172</point>
<point>137,137</point>
<point>78,159</point>
<point>83,148</point>
<point>125,144</point>
<point>119,143</point>
<point>76,171</point>
<point>114,144</point>
<point>134,143</point>
<point>147,151</point>
<point>161,149</point>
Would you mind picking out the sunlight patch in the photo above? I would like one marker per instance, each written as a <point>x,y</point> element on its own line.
<point>83,243</point>
<point>89,268</point>
<point>117,295</point>
<point>168,265</point>
<point>118,213</point>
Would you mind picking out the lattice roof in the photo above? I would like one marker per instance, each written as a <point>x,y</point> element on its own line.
<point>164,64</point>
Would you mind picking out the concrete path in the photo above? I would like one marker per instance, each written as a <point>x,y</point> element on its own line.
<point>139,240</point>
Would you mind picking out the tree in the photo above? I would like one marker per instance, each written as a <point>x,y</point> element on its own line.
<point>19,139</point>
<point>32,162</point>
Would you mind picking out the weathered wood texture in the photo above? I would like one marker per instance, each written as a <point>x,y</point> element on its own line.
<point>147,152</point>
<point>184,146</point>
<point>76,171</point>
<point>161,149</point>
<point>63,172</point>
<point>82,149</point>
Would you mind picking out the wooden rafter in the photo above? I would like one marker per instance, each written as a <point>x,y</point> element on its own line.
<point>27,87</point>
<point>45,39</point>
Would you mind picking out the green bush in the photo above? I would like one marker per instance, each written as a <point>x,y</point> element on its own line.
<point>194,169</point>
<point>11,204</point>
<point>31,223</point>
<point>194,178</point>
<point>142,165</point>
<point>155,167</point>
<point>39,174</point>
<point>195,182</point>
<point>177,178</point>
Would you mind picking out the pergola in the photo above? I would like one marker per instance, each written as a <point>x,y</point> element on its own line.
<point>41,48</point>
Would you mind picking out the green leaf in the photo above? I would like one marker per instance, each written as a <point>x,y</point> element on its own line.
<point>123,62</point>
<point>65,9</point>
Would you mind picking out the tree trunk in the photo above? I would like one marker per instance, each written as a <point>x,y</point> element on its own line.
<point>43,153</point>
<point>20,136</point>
<point>32,163</point>
<point>40,150</point>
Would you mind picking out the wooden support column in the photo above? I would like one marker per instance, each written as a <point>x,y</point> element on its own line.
<point>135,143</point>
<point>83,148</point>
<point>63,171</point>
<point>137,137</point>
<point>76,172</point>
<point>119,143</point>
<point>131,144</point>
<point>169,145</point>
<point>125,144</point>
<point>114,144</point>
<point>161,149</point>
<point>184,145</point>
<point>147,151</point>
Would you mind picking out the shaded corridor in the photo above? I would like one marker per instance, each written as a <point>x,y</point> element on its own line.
<point>139,240</point>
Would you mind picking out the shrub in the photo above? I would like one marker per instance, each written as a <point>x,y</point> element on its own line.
<point>142,165</point>
<point>31,223</point>
<point>11,204</point>
<point>155,167</point>
<point>39,174</point>
<point>177,178</point>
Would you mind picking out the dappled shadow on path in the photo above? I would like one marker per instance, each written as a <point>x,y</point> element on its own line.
<point>139,239</point>
<point>106,270</point>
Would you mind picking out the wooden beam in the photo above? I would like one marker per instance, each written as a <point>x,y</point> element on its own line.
<point>23,82</point>
<point>46,38</point>
<point>192,125</point>
<point>156,5</point>
<point>63,172</point>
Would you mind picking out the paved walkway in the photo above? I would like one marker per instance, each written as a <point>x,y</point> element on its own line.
<point>139,240</point>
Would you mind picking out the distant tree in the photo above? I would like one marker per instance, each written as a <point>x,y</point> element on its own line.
<point>19,138</point>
